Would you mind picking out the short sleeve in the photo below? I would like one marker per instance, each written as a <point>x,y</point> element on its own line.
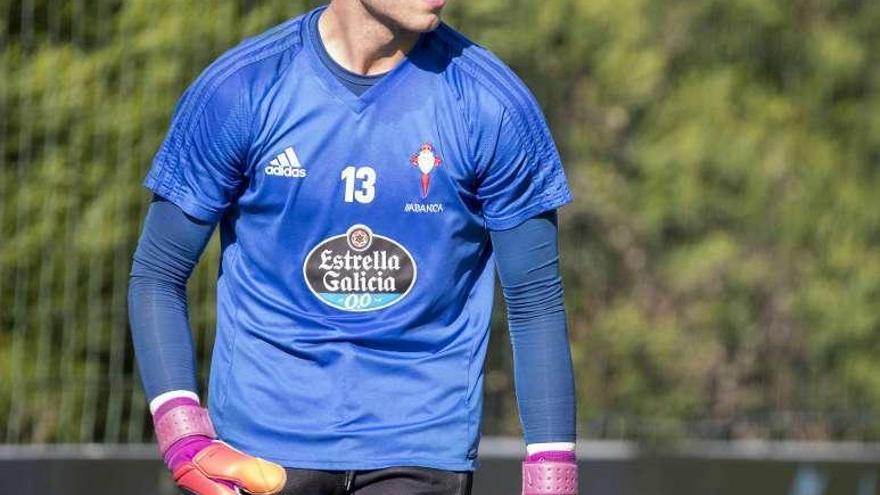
<point>523,175</point>
<point>200,166</point>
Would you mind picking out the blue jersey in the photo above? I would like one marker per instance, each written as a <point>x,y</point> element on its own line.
<point>356,279</point>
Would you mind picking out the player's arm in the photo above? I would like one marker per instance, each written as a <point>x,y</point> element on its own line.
<point>170,245</point>
<point>168,250</point>
<point>527,260</point>
<point>521,183</point>
<point>200,170</point>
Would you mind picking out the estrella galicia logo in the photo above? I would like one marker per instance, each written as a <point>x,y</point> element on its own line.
<point>359,270</point>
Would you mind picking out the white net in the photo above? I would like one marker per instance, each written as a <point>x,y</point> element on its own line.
<point>86,91</point>
<point>720,259</point>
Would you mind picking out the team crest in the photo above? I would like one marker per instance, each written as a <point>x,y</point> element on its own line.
<point>426,160</point>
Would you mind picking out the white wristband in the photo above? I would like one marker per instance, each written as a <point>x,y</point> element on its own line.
<point>534,448</point>
<point>174,394</point>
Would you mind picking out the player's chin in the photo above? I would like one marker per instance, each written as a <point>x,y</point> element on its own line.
<point>429,17</point>
<point>423,23</point>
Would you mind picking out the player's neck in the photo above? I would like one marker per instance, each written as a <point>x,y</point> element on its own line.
<point>360,42</point>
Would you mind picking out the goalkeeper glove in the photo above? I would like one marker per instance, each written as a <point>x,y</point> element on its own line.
<point>204,465</point>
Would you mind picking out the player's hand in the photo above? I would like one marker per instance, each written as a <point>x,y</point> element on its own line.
<point>218,469</point>
<point>550,472</point>
<point>203,465</point>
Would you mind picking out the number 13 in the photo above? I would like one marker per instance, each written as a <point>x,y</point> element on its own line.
<point>367,190</point>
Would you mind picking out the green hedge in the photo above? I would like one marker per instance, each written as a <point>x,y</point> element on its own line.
<point>721,258</point>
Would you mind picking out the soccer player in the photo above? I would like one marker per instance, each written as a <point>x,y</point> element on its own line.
<point>370,168</point>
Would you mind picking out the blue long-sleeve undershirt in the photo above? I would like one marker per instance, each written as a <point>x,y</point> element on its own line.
<point>527,259</point>
<point>528,265</point>
<point>169,248</point>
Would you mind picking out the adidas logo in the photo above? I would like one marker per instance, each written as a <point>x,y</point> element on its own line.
<point>286,165</point>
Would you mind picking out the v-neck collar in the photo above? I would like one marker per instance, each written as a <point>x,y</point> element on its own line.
<point>332,82</point>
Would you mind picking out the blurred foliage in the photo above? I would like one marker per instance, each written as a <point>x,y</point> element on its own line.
<point>721,258</point>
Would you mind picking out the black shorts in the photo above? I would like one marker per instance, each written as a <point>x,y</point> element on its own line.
<point>389,481</point>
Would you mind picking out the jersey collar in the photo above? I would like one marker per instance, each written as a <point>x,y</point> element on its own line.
<point>332,83</point>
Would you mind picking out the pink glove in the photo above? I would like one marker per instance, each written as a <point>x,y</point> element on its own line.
<point>550,472</point>
<point>206,466</point>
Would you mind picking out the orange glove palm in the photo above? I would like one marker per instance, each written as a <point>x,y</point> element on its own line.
<point>218,467</point>
<point>204,465</point>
